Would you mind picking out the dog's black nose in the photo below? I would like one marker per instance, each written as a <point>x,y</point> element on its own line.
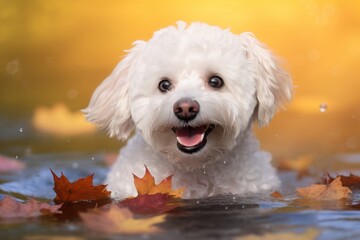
<point>186,109</point>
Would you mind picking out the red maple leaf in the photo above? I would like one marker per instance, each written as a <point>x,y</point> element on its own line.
<point>80,190</point>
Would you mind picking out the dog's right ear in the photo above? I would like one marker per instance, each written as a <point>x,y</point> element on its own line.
<point>109,106</point>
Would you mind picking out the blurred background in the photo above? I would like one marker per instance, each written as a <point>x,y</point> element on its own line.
<point>53,54</point>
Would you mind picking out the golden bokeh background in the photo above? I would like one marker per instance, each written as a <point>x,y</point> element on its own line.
<point>59,51</point>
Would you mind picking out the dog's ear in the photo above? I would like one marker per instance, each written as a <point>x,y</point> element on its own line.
<point>109,106</point>
<point>273,83</point>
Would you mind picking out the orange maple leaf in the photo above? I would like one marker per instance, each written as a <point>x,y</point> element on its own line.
<point>119,220</point>
<point>80,190</point>
<point>10,208</point>
<point>152,198</point>
<point>146,185</point>
<point>334,191</point>
<point>277,194</point>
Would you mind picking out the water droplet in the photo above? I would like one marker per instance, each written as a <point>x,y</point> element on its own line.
<point>234,198</point>
<point>204,172</point>
<point>75,165</point>
<point>93,158</point>
<point>21,130</point>
<point>225,162</point>
<point>323,107</point>
<point>197,201</point>
<point>226,208</point>
<point>242,206</point>
<point>17,156</point>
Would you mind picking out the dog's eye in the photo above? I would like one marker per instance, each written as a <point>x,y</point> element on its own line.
<point>216,82</point>
<point>164,85</point>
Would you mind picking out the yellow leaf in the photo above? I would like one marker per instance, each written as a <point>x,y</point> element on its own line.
<point>119,220</point>
<point>309,234</point>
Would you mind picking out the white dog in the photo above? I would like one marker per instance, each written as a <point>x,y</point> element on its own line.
<point>192,93</point>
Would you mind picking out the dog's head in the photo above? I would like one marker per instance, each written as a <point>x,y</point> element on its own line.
<point>190,91</point>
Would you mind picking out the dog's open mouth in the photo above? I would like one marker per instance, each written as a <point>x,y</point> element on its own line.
<point>192,139</point>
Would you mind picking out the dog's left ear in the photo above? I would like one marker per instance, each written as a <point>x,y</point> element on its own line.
<point>273,83</point>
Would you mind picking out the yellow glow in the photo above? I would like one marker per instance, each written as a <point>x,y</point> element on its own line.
<point>62,45</point>
<point>59,121</point>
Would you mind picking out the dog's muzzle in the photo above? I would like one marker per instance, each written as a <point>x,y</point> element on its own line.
<point>190,139</point>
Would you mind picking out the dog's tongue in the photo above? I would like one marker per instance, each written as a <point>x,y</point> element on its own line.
<point>189,136</point>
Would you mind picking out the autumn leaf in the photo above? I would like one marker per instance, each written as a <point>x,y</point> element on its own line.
<point>119,220</point>
<point>351,181</point>
<point>80,190</point>
<point>10,165</point>
<point>277,194</point>
<point>10,208</point>
<point>146,185</point>
<point>150,204</point>
<point>152,198</point>
<point>309,234</point>
<point>51,237</point>
<point>334,191</point>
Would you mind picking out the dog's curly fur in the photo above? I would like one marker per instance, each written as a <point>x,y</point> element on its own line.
<point>187,56</point>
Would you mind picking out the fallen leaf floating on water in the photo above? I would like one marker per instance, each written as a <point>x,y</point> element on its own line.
<point>51,237</point>
<point>351,181</point>
<point>119,220</point>
<point>277,195</point>
<point>152,198</point>
<point>80,190</point>
<point>309,234</point>
<point>146,185</point>
<point>60,121</point>
<point>10,208</point>
<point>10,165</point>
<point>150,204</point>
<point>334,191</point>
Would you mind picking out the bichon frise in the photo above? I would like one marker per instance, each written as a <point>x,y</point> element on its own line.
<point>192,94</point>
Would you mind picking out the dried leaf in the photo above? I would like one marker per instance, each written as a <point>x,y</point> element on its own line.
<point>10,165</point>
<point>80,190</point>
<point>146,185</point>
<point>150,204</point>
<point>51,237</point>
<point>119,220</point>
<point>308,234</point>
<point>333,191</point>
<point>277,195</point>
<point>351,181</point>
<point>10,208</point>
